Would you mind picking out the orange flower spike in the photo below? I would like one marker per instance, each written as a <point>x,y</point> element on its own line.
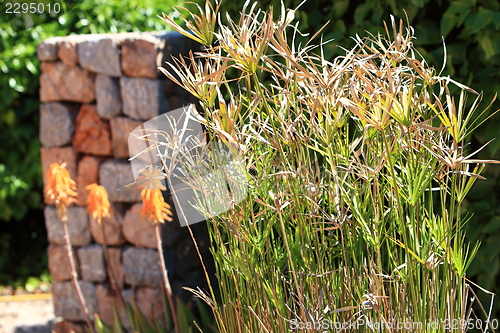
<point>98,203</point>
<point>154,206</point>
<point>60,187</point>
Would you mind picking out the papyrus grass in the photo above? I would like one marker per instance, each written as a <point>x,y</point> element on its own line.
<point>357,168</point>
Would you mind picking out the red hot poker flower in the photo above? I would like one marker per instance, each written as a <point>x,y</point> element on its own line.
<point>154,206</point>
<point>98,203</point>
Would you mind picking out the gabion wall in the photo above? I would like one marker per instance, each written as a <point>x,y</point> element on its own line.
<point>95,89</point>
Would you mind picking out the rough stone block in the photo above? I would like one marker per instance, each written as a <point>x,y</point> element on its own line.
<point>108,98</point>
<point>100,54</point>
<point>92,134</point>
<point>78,226</point>
<point>139,56</point>
<point>137,229</point>
<point>66,304</point>
<point>112,228</point>
<point>142,98</point>
<point>114,174</point>
<point>92,263</point>
<point>88,173</point>
<point>57,155</point>
<point>60,82</point>
<point>57,123</point>
<point>148,300</point>
<point>106,302</point>
<point>141,267</point>
<point>67,52</point>
<point>59,266</point>
<point>121,127</point>
<point>47,50</point>
<point>150,303</point>
<point>116,267</point>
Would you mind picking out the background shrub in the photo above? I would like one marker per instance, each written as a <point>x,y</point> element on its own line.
<point>23,238</point>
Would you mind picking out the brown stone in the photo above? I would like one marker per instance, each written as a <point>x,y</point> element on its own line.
<point>57,155</point>
<point>115,266</point>
<point>106,302</point>
<point>66,51</point>
<point>78,226</point>
<point>88,173</point>
<point>150,302</point>
<point>137,229</point>
<point>139,57</point>
<point>66,304</point>
<point>59,266</point>
<point>66,326</point>
<point>121,127</point>
<point>60,82</point>
<point>92,135</point>
<point>112,228</point>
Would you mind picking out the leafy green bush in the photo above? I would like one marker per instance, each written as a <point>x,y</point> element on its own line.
<point>20,168</point>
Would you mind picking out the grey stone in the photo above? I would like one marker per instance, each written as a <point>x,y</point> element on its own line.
<point>57,123</point>
<point>141,267</point>
<point>66,303</point>
<point>92,263</point>
<point>78,226</point>
<point>109,103</point>
<point>100,54</point>
<point>114,174</point>
<point>47,50</point>
<point>142,98</point>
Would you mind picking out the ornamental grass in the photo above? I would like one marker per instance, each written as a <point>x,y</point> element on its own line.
<point>356,167</point>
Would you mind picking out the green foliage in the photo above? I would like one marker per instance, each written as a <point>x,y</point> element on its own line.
<point>20,168</point>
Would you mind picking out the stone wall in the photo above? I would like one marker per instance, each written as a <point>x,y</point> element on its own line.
<point>95,89</point>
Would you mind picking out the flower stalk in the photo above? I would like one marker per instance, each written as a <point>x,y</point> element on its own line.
<point>62,189</point>
<point>99,208</point>
<point>158,211</point>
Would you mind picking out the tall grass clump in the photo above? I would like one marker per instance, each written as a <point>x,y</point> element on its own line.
<point>357,169</point>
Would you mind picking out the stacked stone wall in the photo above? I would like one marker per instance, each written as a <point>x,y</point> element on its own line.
<point>94,90</point>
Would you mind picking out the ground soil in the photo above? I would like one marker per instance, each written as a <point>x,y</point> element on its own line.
<point>26,316</point>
